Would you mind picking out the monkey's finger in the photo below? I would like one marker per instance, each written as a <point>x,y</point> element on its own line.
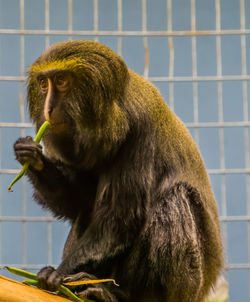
<point>78,277</point>
<point>54,281</point>
<point>30,151</point>
<point>28,155</point>
<point>26,138</point>
<point>32,159</point>
<point>28,145</point>
<point>43,275</point>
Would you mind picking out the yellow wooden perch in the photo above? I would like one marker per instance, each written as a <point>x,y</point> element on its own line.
<point>14,291</point>
<point>34,282</point>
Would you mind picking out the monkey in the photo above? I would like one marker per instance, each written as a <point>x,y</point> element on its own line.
<point>122,168</point>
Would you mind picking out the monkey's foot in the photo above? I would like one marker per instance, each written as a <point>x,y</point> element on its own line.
<point>97,292</point>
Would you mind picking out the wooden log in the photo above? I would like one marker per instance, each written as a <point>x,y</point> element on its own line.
<point>14,291</point>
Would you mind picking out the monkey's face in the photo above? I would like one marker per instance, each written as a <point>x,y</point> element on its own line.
<point>56,89</point>
<point>63,93</point>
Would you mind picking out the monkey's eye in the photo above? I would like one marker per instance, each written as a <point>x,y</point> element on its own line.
<point>43,84</point>
<point>62,83</point>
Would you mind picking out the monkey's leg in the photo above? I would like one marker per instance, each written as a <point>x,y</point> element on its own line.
<point>176,249</point>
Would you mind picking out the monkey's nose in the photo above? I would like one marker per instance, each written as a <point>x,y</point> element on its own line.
<point>48,106</point>
<point>50,110</point>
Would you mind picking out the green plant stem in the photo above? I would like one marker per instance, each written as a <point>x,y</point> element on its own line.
<point>31,282</point>
<point>68,293</point>
<point>21,273</point>
<point>38,138</point>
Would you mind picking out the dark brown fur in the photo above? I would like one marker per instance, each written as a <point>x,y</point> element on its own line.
<point>123,169</point>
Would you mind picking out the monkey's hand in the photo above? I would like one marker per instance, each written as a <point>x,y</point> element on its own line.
<point>97,291</point>
<point>49,279</point>
<point>26,150</point>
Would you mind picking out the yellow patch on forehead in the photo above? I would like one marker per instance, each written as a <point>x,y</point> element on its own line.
<point>64,64</point>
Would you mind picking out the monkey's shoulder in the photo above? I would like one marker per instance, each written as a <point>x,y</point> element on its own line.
<point>148,98</point>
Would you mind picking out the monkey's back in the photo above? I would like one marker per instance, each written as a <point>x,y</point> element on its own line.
<point>175,143</point>
<point>179,152</point>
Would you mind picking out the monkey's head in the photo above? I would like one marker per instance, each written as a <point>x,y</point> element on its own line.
<point>79,86</point>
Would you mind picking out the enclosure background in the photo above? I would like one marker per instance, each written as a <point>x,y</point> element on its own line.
<point>196,52</point>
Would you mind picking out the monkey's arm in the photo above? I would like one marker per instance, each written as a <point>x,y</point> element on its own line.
<point>52,181</point>
<point>107,239</point>
<point>95,257</point>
